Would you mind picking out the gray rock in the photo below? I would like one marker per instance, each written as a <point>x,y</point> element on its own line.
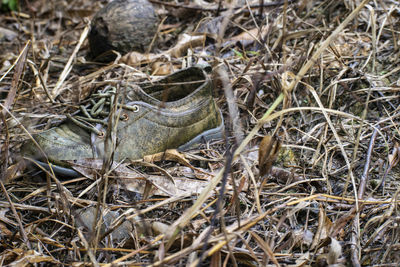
<point>124,26</point>
<point>86,217</point>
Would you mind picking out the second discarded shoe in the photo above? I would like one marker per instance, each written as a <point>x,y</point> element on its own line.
<point>174,112</point>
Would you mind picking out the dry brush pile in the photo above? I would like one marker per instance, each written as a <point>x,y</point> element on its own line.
<point>305,176</point>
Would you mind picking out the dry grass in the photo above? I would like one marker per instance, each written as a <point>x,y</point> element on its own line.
<point>320,79</point>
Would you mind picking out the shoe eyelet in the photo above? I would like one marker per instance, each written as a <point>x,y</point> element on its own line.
<point>135,108</point>
<point>124,117</point>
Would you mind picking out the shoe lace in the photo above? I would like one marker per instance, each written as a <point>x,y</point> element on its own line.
<point>94,115</point>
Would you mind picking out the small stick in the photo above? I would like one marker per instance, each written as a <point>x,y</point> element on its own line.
<point>57,89</point>
<point>14,211</point>
<point>361,189</point>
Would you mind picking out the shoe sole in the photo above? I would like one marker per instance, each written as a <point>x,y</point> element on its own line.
<point>66,172</point>
<point>208,135</point>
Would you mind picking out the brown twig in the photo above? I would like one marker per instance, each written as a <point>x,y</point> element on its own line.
<point>16,216</point>
<point>361,189</point>
<point>215,9</point>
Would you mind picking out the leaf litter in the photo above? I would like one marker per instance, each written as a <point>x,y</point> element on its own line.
<point>306,174</point>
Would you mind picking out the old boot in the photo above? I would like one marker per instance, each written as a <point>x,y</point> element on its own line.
<point>174,112</point>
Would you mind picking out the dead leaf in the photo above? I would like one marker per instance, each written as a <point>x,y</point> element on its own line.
<point>160,228</point>
<point>5,231</point>
<point>161,68</point>
<point>13,170</point>
<point>216,259</point>
<point>332,258</point>
<point>172,155</point>
<point>248,37</point>
<point>335,251</point>
<point>7,35</point>
<point>3,218</point>
<point>394,157</point>
<point>324,229</point>
<point>19,257</point>
<point>185,42</point>
<point>9,101</point>
<point>265,247</point>
<point>246,259</point>
<point>341,222</point>
<point>210,26</point>
<point>169,154</point>
<point>180,186</point>
<point>137,182</point>
<point>267,153</point>
<point>135,58</point>
<point>86,218</point>
<point>303,260</point>
<point>285,176</point>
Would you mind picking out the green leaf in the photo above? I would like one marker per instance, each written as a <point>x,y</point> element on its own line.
<point>253,53</point>
<point>237,53</point>
<point>9,5</point>
<point>13,5</point>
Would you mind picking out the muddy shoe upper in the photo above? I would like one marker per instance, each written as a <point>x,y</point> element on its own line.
<point>174,112</point>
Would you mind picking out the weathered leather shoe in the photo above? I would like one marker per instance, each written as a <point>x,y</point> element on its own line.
<point>174,112</point>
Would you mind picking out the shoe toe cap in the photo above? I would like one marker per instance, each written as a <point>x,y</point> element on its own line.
<point>58,144</point>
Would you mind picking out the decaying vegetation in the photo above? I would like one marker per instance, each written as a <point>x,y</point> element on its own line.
<point>306,176</point>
